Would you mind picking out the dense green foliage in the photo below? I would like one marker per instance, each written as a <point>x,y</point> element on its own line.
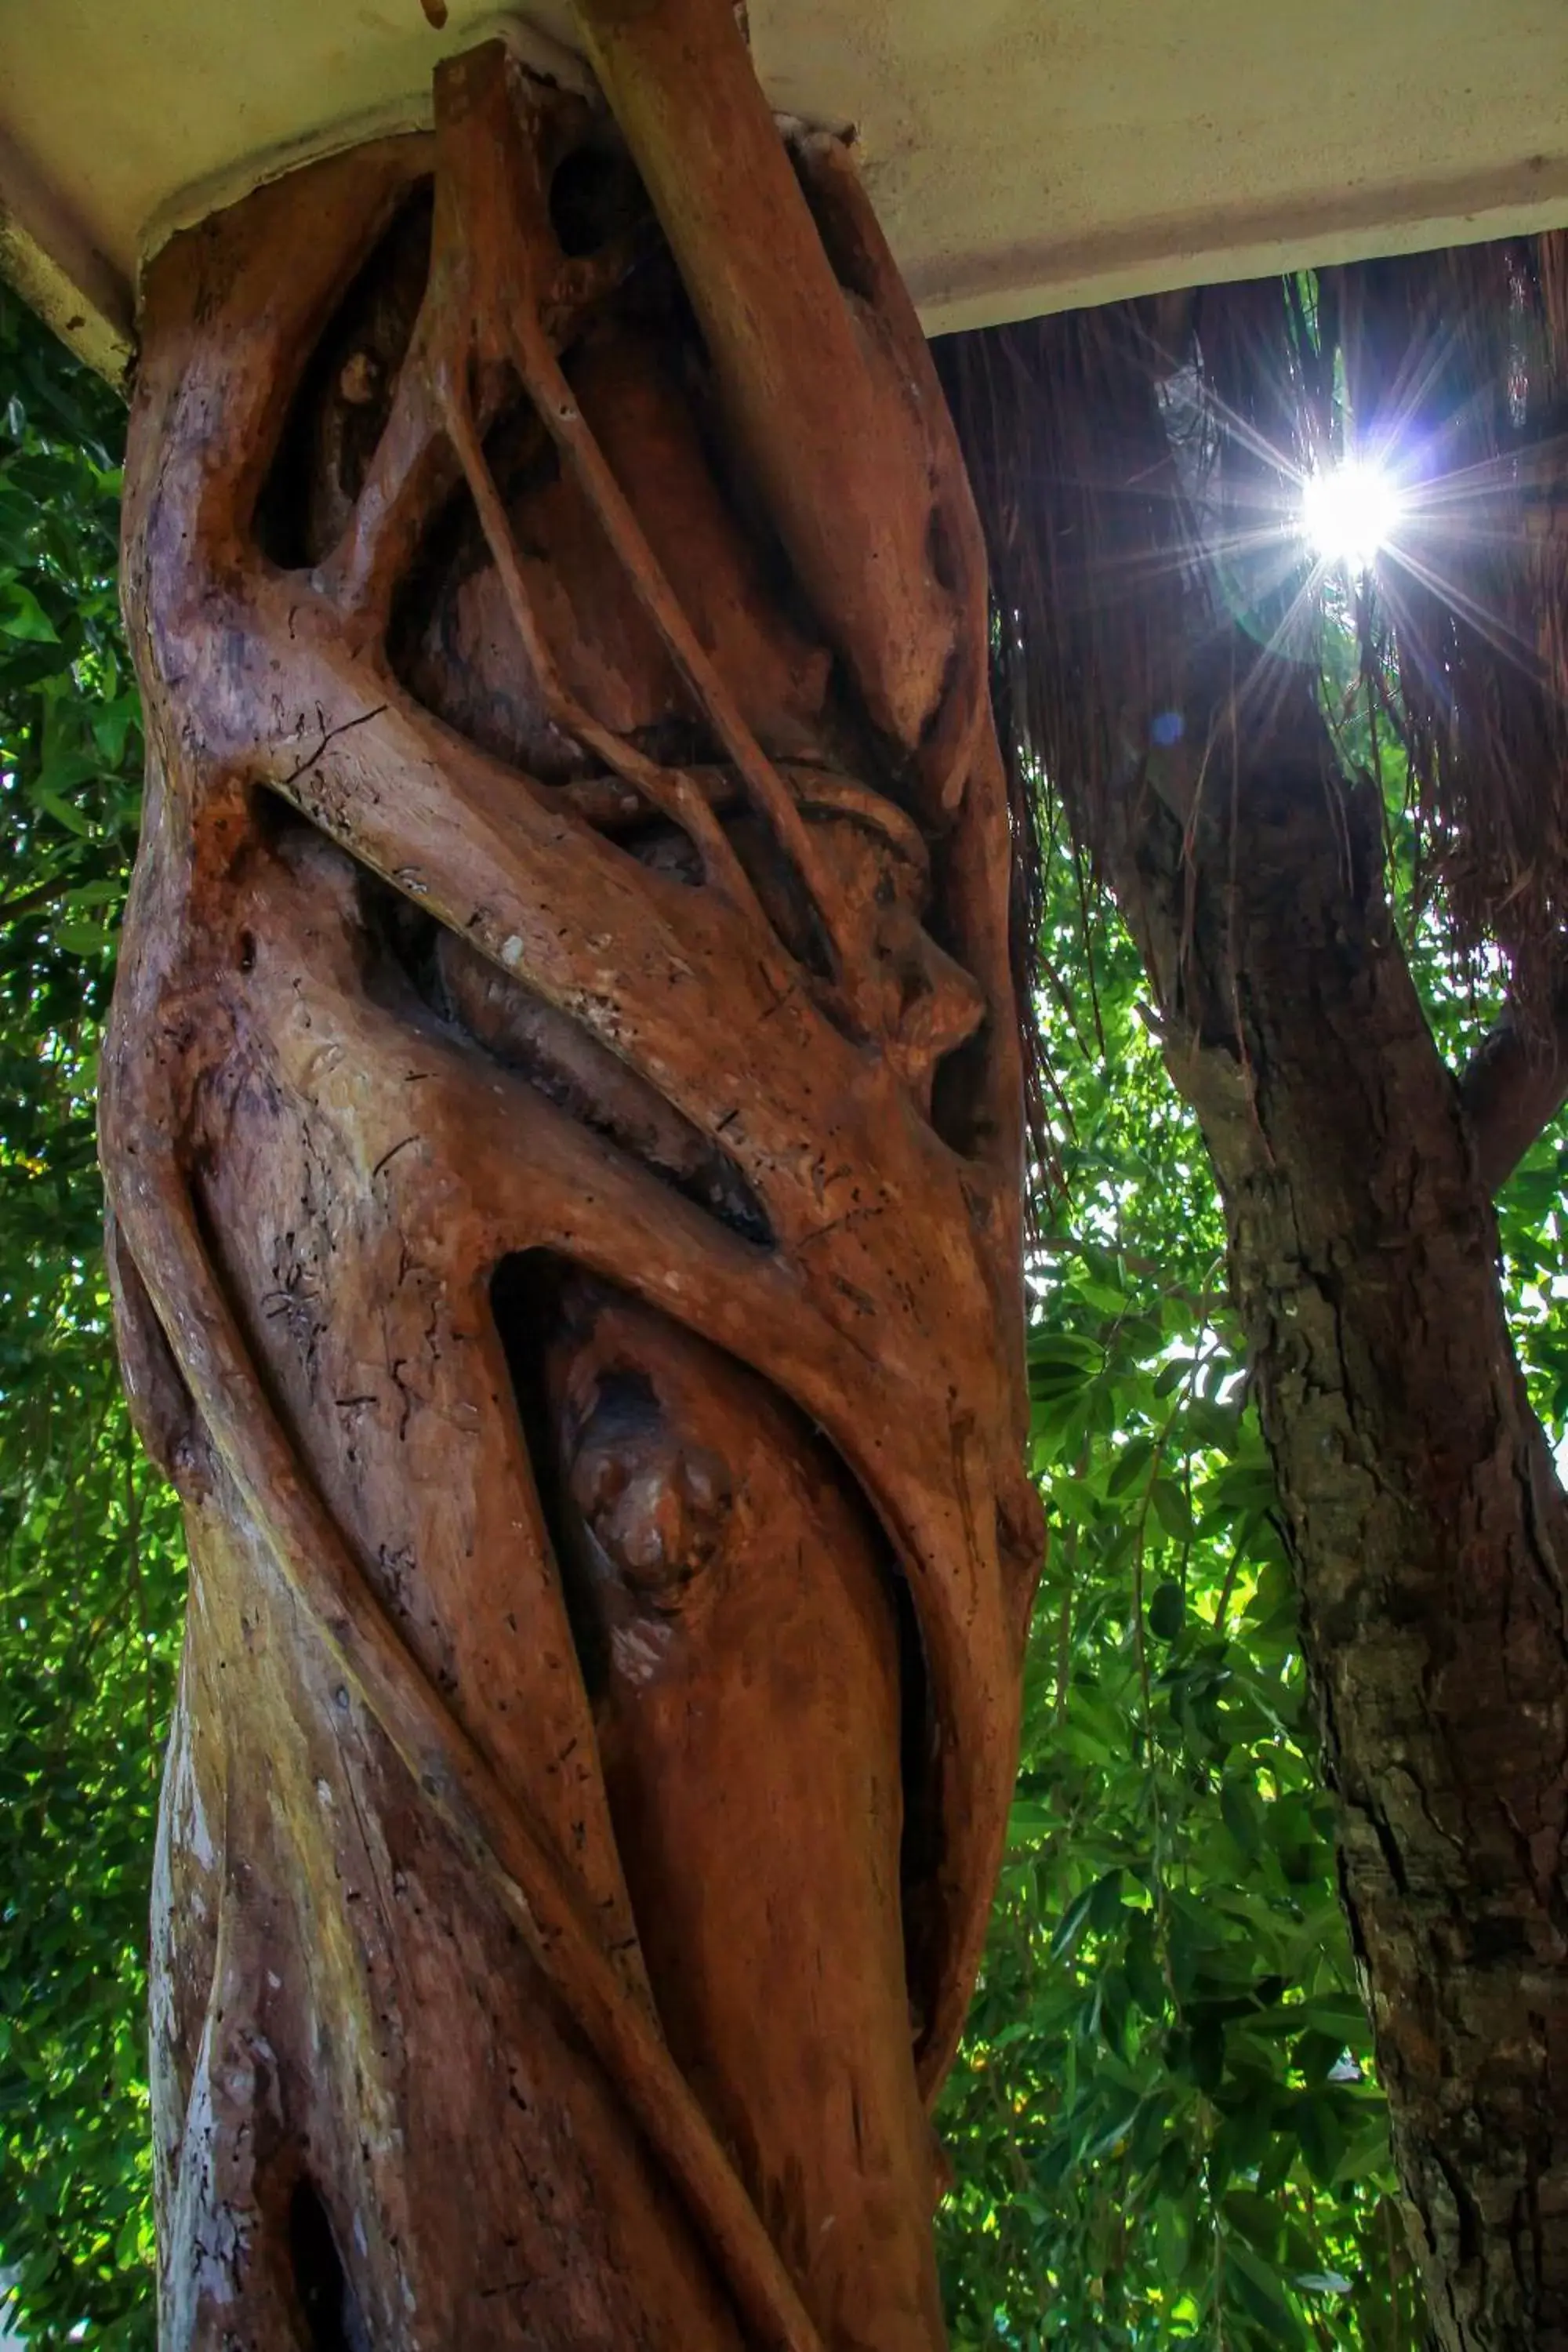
<point>1164,2119</point>
<point>1164,2124</point>
<point>89,1564</point>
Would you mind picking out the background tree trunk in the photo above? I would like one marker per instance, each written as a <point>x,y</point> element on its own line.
<point>561,1123</point>
<point>1416,1490</point>
<point>1145,610</point>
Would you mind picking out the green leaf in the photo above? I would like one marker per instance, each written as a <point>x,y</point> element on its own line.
<point>1260,2290</point>
<point>1071,1927</point>
<point>1167,1611</point>
<point>83,939</point>
<point>1319,2135</point>
<point>1242,1814</point>
<point>23,617</point>
<point>1173,1510</point>
<point>1105,1902</point>
<point>1145,1979</point>
<point>1028,1818</point>
<point>1205,2052</point>
<point>62,811</point>
<point>1132,1466</point>
<point>1258,2220</point>
<point>1174,2239</point>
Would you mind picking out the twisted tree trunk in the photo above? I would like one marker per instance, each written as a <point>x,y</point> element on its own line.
<point>562,1124</point>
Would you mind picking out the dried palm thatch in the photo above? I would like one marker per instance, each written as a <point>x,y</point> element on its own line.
<point>1140,470</point>
<point>1456,363</point>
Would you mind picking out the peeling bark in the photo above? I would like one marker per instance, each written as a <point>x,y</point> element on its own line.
<point>561,1127</point>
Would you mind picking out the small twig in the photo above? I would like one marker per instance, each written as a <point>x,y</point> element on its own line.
<point>32,902</point>
<point>1227,1588</point>
<point>1064,1622</point>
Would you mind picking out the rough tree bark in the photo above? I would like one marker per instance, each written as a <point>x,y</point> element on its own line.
<point>1417,1496</point>
<point>1427,1526</point>
<point>561,1122</point>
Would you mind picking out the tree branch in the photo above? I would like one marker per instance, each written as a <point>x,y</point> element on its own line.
<point>1515,1084</point>
<point>31,902</point>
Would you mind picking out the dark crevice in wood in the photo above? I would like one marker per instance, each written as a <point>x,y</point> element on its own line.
<point>344,398</point>
<point>597,196</point>
<point>332,2314</point>
<point>525,1301</point>
<point>961,1105</point>
<point>919,1851</point>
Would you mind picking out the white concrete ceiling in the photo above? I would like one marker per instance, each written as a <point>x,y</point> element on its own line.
<point>1024,155</point>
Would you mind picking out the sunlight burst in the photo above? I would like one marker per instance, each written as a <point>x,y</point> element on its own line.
<point>1350,512</point>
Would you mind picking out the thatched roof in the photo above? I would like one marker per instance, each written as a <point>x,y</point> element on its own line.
<point>1140,466</point>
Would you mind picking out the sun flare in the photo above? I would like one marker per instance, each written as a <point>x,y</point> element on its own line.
<point>1349,513</point>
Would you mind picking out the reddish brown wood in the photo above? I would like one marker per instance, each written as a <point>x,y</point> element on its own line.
<point>561,1122</point>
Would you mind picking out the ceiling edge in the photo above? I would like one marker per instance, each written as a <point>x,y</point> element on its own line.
<point>47,256</point>
<point>1203,248</point>
<point>411,110</point>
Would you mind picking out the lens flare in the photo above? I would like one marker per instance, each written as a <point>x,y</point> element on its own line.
<point>1349,513</point>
